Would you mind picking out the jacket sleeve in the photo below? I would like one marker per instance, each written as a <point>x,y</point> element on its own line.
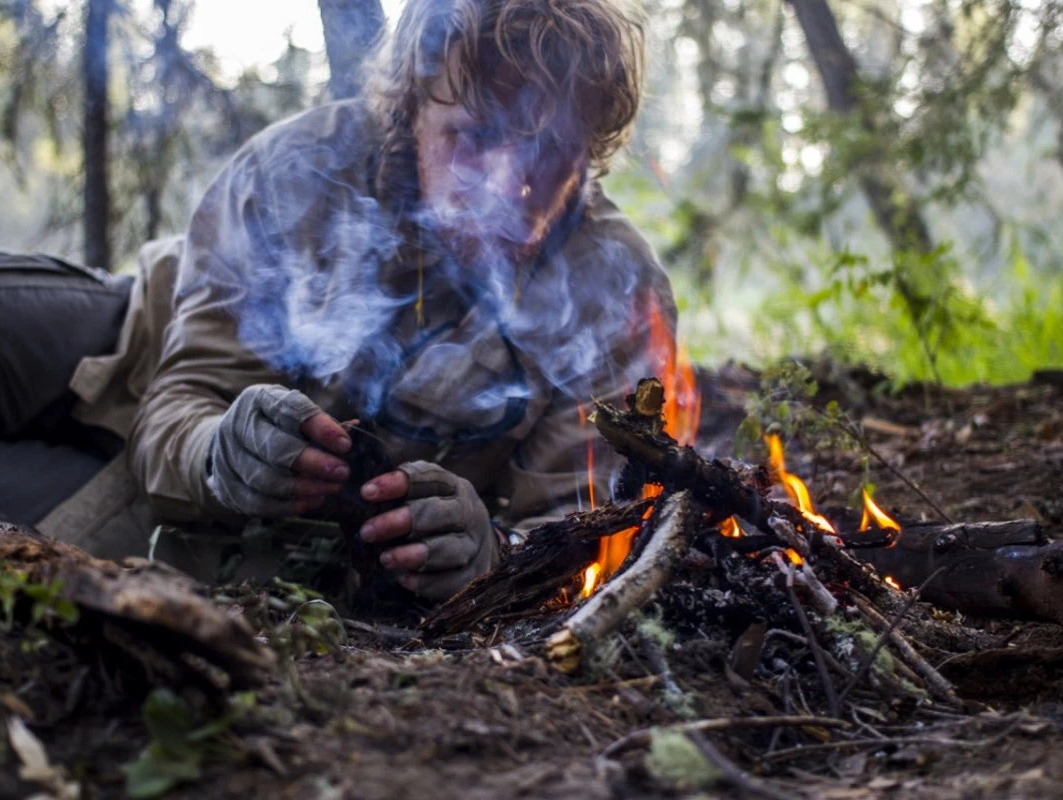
<point>203,366</point>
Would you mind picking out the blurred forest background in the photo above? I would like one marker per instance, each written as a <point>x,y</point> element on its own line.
<point>878,179</point>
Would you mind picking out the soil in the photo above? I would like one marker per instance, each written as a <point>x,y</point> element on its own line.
<point>483,715</point>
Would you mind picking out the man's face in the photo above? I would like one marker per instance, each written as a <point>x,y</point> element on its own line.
<point>489,191</point>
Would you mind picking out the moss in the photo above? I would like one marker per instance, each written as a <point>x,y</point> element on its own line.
<point>864,639</point>
<point>675,760</point>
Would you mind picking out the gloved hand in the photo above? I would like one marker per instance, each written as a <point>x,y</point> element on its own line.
<point>453,540</point>
<point>262,462</point>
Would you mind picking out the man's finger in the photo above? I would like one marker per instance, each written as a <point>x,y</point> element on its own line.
<point>387,526</point>
<point>319,465</point>
<point>410,557</point>
<point>389,486</point>
<point>323,430</point>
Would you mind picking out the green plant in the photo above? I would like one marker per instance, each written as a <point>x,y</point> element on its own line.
<point>37,607</point>
<point>180,744</point>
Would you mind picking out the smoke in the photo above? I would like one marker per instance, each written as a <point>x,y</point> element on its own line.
<point>335,286</point>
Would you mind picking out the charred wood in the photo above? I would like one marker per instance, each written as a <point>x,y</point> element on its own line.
<point>536,571</point>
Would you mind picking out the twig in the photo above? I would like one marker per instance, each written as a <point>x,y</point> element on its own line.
<point>851,428</point>
<point>732,773</point>
<point>642,737</point>
<point>813,644</point>
<point>935,681</point>
<point>660,665</point>
<point>884,636</point>
<point>789,752</point>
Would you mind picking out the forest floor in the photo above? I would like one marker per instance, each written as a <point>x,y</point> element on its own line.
<point>483,715</point>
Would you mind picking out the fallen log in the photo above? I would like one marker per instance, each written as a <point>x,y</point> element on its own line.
<point>536,571</point>
<point>144,621</point>
<point>988,569</point>
<point>628,591</point>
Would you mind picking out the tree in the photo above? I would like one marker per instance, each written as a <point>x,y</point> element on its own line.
<point>895,211</point>
<point>352,29</point>
<point>96,134</point>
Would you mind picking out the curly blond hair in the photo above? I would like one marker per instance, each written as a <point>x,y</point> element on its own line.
<point>580,58</point>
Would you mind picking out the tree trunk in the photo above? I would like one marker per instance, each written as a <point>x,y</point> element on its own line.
<point>352,28</point>
<point>895,212</point>
<point>95,136</point>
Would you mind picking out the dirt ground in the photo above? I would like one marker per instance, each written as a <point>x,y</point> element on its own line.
<point>483,715</point>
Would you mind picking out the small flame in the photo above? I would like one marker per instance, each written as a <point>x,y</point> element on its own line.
<point>794,556</point>
<point>889,581</point>
<point>795,487</point>
<point>682,413</point>
<point>730,528</point>
<point>872,512</point>
<point>590,579</point>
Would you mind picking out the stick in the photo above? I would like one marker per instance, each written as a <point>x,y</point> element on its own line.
<point>642,737</point>
<point>937,684</point>
<point>604,611</point>
<point>813,643</point>
<point>880,643</point>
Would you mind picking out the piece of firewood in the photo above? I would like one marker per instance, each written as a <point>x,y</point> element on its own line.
<point>989,569</point>
<point>631,589</point>
<point>536,571</point>
<point>146,620</point>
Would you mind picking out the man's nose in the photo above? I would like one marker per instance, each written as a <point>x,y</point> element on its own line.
<point>507,173</point>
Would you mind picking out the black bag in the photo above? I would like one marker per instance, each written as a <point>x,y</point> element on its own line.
<point>52,314</point>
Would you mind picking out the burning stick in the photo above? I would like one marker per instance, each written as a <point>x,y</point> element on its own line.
<point>607,609</point>
<point>534,573</point>
<point>724,491</point>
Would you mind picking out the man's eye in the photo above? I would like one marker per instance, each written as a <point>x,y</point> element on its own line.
<point>479,138</point>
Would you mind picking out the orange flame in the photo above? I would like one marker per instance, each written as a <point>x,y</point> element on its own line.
<point>795,487</point>
<point>682,412</point>
<point>889,581</point>
<point>794,556</point>
<point>730,528</point>
<point>872,512</point>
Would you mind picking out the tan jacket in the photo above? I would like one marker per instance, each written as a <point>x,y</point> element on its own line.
<point>292,272</point>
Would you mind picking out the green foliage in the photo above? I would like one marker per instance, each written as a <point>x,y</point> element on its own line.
<point>920,317</point>
<point>181,745</point>
<point>36,606</point>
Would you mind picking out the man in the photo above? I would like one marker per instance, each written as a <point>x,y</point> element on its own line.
<point>434,256</point>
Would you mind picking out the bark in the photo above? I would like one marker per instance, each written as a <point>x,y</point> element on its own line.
<point>95,136</point>
<point>895,212</point>
<point>352,28</point>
